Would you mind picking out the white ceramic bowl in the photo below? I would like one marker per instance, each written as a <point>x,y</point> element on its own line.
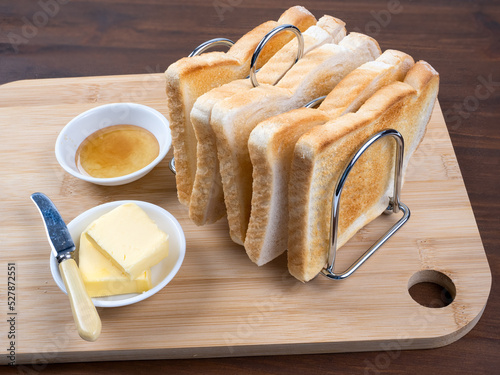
<point>161,274</point>
<point>103,116</point>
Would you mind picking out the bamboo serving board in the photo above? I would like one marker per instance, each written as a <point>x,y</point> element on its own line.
<point>220,303</point>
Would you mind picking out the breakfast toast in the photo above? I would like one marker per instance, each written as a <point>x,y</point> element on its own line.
<point>235,117</point>
<point>321,154</point>
<point>207,199</point>
<point>190,77</point>
<point>272,142</point>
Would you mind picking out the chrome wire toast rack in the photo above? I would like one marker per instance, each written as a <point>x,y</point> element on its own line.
<point>395,205</point>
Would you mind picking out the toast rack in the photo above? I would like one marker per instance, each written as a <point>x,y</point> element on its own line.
<point>265,40</point>
<point>395,205</point>
<point>394,202</point>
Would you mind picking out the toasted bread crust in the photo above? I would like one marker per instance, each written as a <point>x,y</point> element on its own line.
<point>244,48</point>
<point>361,83</point>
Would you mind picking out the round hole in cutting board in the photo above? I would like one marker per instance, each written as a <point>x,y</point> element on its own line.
<point>431,288</point>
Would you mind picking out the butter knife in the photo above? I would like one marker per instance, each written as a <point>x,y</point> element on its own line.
<point>84,312</point>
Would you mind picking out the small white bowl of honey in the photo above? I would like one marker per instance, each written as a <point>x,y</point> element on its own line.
<point>113,144</point>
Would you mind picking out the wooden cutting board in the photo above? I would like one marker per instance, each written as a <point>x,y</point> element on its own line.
<point>220,303</point>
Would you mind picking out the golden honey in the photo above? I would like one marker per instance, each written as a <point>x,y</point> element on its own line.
<point>116,151</point>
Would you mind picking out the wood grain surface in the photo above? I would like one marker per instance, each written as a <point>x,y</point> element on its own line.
<point>220,304</point>
<point>459,38</point>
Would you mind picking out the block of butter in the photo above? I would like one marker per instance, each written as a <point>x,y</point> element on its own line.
<point>129,239</point>
<point>102,278</point>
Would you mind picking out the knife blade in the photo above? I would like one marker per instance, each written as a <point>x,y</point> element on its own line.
<point>57,232</point>
<point>84,312</point>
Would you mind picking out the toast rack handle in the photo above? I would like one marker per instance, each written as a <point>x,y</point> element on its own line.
<point>171,166</point>
<point>395,205</point>
<point>315,102</point>
<point>271,34</point>
<point>211,43</point>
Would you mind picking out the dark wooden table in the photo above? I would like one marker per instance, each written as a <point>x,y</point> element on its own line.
<point>460,38</point>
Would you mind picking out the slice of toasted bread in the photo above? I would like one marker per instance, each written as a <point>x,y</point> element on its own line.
<point>362,83</point>
<point>272,142</point>
<point>191,77</point>
<point>234,118</point>
<point>271,146</point>
<point>321,154</point>
<point>207,199</point>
